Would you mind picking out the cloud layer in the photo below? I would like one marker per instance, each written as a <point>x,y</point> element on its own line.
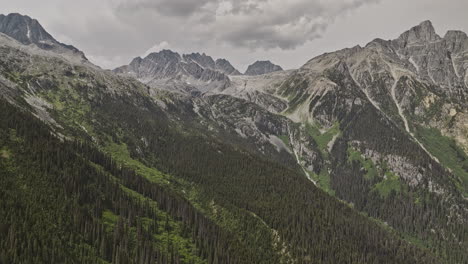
<point>112,32</point>
<point>255,24</point>
<point>289,32</point>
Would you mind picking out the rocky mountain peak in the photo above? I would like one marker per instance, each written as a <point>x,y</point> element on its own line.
<point>225,66</point>
<point>262,67</point>
<point>23,28</point>
<point>456,34</point>
<point>202,59</point>
<point>199,59</point>
<point>457,41</point>
<point>28,31</point>
<point>421,33</point>
<point>136,60</point>
<point>164,56</point>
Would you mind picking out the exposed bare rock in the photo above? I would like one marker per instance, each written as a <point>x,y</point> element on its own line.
<point>262,67</point>
<point>190,73</point>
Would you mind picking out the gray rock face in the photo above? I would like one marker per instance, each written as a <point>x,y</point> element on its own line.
<point>394,75</point>
<point>417,80</point>
<point>259,89</point>
<point>440,61</point>
<point>262,67</point>
<point>201,59</point>
<point>29,31</point>
<point>422,33</point>
<point>457,41</point>
<point>225,66</point>
<point>190,73</point>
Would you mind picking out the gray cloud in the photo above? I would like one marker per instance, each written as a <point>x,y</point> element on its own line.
<point>178,8</point>
<point>255,24</point>
<point>112,32</point>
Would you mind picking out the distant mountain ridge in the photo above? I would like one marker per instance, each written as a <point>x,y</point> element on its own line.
<point>191,73</point>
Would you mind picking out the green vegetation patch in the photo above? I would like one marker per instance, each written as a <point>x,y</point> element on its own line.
<point>389,184</point>
<point>323,180</point>
<point>367,164</point>
<point>13,136</point>
<point>322,139</point>
<point>120,153</point>
<point>248,227</point>
<point>295,91</point>
<point>285,140</point>
<point>5,153</point>
<point>109,219</point>
<point>391,181</point>
<point>168,232</point>
<point>13,76</point>
<point>445,149</point>
<point>69,107</point>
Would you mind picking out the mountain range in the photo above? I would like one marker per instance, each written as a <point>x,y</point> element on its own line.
<point>193,73</point>
<point>359,156</point>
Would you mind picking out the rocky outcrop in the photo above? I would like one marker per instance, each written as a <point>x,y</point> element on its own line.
<point>262,67</point>
<point>421,34</point>
<point>440,61</point>
<point>225,66</point>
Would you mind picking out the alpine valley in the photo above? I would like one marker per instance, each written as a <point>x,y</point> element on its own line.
<point>359,156</point>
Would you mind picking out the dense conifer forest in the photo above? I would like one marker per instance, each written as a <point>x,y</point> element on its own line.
<point>66,202</point>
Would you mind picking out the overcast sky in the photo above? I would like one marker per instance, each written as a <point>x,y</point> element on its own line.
<point>287,32</point>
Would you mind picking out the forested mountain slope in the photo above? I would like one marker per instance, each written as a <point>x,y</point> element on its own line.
<point>114,175</point>
<point>390,121</point>
<point>98,167</point>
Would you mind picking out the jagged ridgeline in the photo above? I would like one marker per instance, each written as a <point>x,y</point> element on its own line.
<point>195,163</point>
